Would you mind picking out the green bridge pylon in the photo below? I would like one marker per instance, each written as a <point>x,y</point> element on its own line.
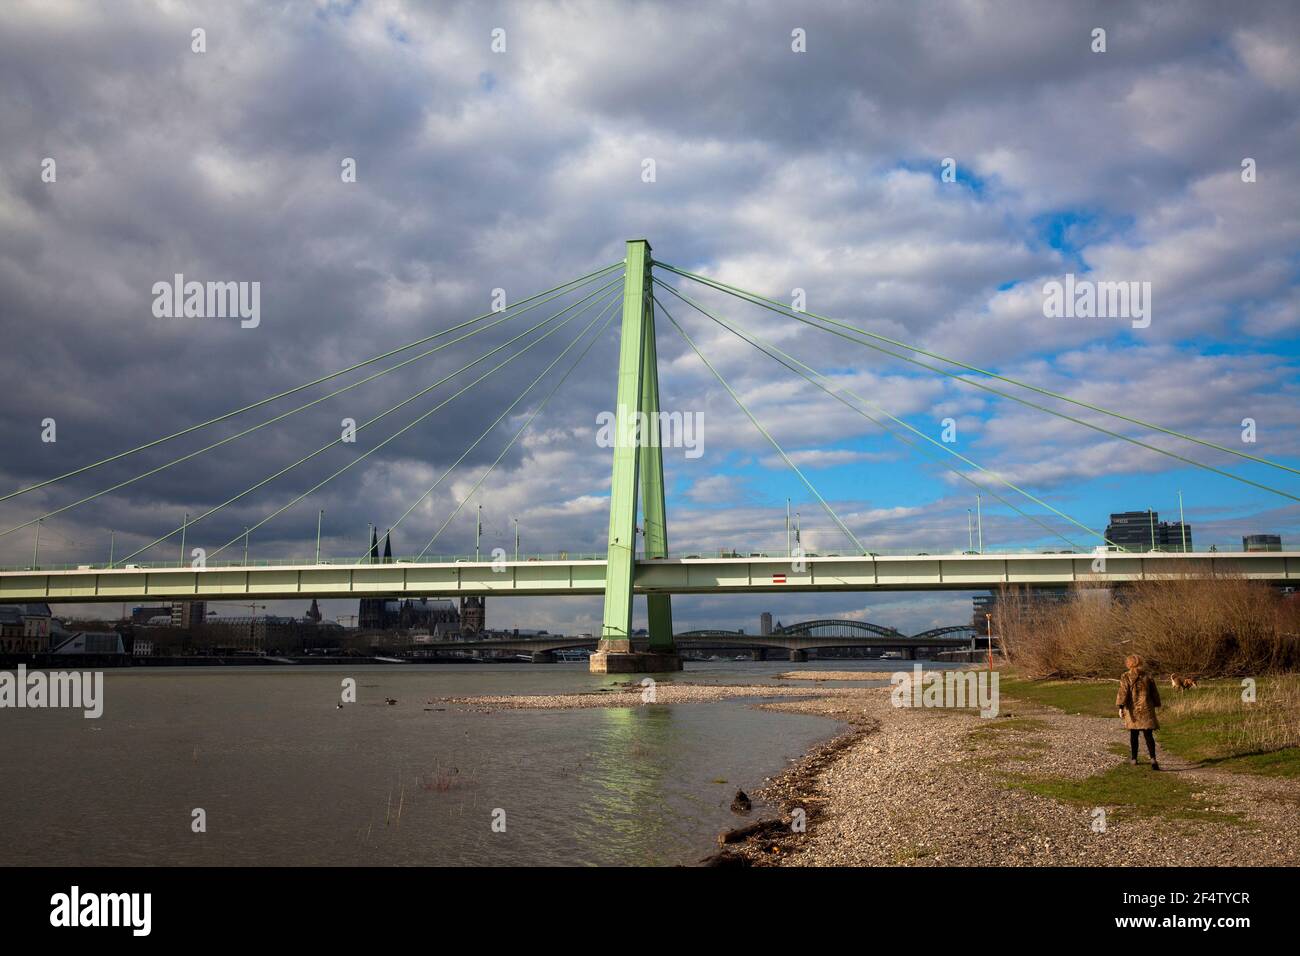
<point>638,466</point>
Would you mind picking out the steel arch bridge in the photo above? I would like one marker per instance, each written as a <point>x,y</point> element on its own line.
<point>951,629</point>
<point>831,627</point>
<point>804,636</point>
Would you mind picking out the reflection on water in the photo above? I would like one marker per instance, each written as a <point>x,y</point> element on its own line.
<point>287,778</point>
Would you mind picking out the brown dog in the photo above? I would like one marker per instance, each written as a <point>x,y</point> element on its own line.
<point>1181,683</point>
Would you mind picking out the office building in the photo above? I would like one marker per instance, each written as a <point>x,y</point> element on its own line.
<point>189,614</point>
<point>1144,531</point>
<point>1261,542</point>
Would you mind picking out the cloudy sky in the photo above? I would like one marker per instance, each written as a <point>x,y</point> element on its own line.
<point>510,146</point>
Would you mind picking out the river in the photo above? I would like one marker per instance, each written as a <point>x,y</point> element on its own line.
<point>284,777</point>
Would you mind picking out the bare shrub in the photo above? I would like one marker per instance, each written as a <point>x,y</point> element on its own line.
<point>1203,627</point>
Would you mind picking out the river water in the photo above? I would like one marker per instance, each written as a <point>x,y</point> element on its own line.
<point>286,778</point>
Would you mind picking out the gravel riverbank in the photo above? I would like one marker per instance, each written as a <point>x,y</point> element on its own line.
<point>635,695</point>
<point>835,675</point>
<point>927,787</point>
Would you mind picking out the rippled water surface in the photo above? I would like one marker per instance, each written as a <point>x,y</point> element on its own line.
<point>286,778</point>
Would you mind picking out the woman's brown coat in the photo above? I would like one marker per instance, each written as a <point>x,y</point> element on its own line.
<point>1137,701</point>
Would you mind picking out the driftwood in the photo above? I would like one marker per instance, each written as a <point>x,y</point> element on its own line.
<point>757,828</point>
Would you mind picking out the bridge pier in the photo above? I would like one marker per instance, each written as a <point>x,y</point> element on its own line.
<point>631,662</point>
<point>638,393</point>
<point>799,656</point>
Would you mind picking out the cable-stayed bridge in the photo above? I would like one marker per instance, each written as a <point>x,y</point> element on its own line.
<point>636,560</point>
<point>576,576</point>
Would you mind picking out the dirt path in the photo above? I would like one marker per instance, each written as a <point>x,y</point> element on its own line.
<point>947,788</point>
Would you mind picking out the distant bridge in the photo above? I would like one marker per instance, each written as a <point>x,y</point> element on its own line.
<point>798,639</point>
<point>804,636</point>
<point>838,632</point>
<point>836,627</point>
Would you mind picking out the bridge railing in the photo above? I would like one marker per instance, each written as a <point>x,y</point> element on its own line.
<point>941,553</point>
<point>237,564</point>
<point>708,555</point>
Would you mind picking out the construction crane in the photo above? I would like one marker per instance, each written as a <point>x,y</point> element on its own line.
<point>252,619</point>
<point>252,607</point>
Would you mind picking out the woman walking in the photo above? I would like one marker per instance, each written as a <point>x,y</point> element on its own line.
<point>1137,701</point>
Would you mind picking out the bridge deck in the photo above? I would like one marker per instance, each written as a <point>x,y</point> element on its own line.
<point>957,572</point>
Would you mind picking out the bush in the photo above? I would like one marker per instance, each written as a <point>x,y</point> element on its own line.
<point>1216,627</point>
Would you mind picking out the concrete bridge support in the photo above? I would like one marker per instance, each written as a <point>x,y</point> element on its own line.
<point>637,403</point>
<point>799,656</point>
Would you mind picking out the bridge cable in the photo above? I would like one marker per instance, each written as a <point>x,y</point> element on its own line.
<point>523,428</point>
<point>769,349</point>
<point>408,426</point>
<point>785,311</point>
<point>557,290</point>
<point>389,411</point>
<point>766,434</point>
<point>1078,421</point>
<point>477,441</point>
<point>281,417</point>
